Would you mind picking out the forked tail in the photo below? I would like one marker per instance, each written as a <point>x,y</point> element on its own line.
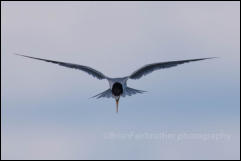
<point>131,91</point>
<point>106,94</point>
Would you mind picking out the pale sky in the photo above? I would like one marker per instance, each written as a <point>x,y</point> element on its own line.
<point>46,111</point>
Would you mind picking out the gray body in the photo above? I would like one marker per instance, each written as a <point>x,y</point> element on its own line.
<point>127,91</point>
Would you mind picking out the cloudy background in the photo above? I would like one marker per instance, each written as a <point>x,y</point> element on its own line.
<point>189,112</point>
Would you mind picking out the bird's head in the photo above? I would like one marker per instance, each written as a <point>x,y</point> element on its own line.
<point>117,90</point>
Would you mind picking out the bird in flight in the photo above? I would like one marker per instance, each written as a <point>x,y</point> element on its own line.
<point>118,86</point>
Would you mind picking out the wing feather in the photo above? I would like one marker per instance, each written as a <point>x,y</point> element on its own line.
<point>156,66</point>
<point>86,69</point>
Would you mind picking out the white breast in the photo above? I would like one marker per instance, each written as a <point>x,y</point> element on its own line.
<point>122,81</point>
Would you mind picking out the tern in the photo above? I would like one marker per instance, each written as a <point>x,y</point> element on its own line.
<point>118,86</point>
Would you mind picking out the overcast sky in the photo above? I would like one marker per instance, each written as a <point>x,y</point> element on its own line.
<point>189,112</point>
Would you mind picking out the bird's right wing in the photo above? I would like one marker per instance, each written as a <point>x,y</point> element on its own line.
<point>86,69</point>
<point>156,66</point>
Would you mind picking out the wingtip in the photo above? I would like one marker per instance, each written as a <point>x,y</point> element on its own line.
<point>16,54</point>
<point>19,54</point>
<point>205,58</point>
<point>212,58</point>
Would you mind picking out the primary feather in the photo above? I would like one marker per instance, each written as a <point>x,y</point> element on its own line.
<point>86,69</point>
<point>156,66</point>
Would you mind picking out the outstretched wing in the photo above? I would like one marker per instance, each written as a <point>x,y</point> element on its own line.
<point>156,66</point>
<point>86,69</point>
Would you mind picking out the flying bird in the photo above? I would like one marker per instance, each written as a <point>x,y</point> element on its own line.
<point>118,86</point>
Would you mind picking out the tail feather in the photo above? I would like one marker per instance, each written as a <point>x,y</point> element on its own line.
<point>127,92</point>
<point>131,91</point>
<point>107,94</point>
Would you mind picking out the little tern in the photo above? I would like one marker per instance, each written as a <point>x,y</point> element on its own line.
<point>118,86</point>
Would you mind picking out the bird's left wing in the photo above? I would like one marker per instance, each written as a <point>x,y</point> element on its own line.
<point>86,69</point>
<point>156,66</point>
